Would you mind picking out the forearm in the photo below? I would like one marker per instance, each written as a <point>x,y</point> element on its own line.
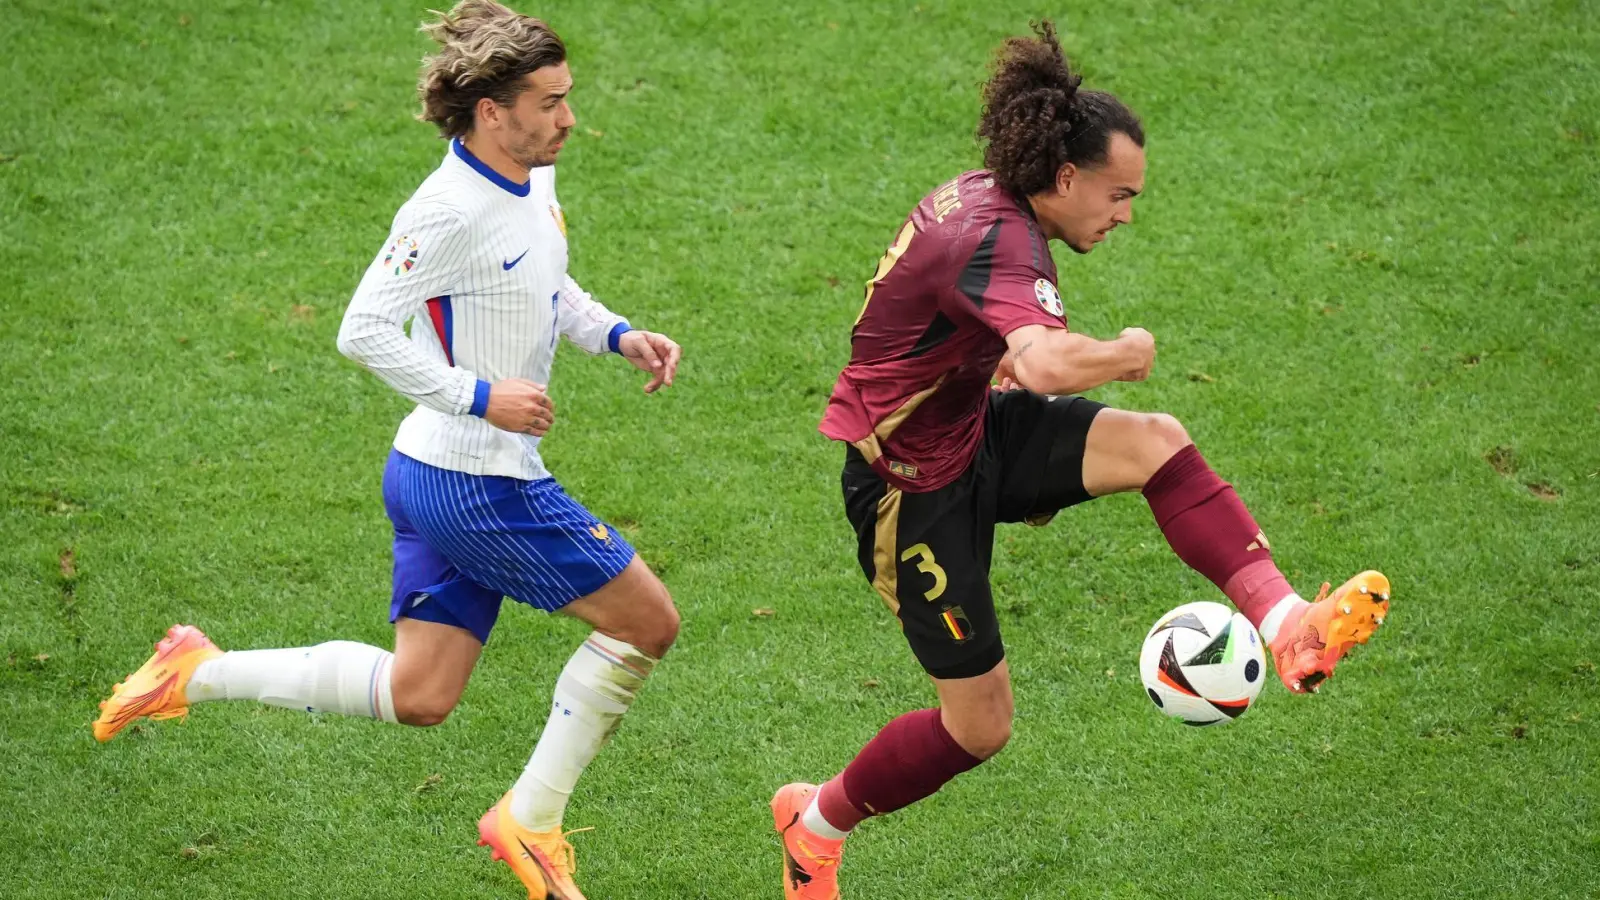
<point>383,349</point>
<point>586,322</point>
<point>1062,362</point>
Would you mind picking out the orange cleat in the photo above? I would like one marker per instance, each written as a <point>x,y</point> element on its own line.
<point>543,860</point>
<point>810,863</point>
<point>1315,637</point>
<point>156,689</point>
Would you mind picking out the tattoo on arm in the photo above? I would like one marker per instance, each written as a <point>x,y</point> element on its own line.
<point>1017,353</point>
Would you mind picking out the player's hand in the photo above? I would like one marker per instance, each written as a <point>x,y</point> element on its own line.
<point>1005,376</point>
<point>519,405</point>
<point>1140,346</point>
<point>653,353</point>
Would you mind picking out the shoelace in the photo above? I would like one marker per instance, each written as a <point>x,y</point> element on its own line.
<point>1322,594</point>
<point>564,856</point>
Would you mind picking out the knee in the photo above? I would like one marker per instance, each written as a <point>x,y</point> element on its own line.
<point>1161,437</point>
<point>421,709</point>
<point>985,737</point>
<point>664,627</point>
<point>654,627</point>
<point>988,740</point>
<point>1166,432</point>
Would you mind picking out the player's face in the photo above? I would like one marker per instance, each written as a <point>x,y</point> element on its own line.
<point>538,123</point>
<point>1091,201</point>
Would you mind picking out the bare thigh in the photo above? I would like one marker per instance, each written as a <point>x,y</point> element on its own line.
<point>1124,449</point>
<point>432,663</point>
<point>633,607</point>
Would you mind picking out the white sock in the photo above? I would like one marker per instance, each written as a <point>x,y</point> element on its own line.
<point>1274,620</point>
<point>597,686</point>
<point>338,676</point>
<point>818,824</point>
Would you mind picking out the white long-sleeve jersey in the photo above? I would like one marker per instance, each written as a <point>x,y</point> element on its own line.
<point>479,264</point>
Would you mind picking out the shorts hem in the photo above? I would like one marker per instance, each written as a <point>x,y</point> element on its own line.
<point>981,663</point>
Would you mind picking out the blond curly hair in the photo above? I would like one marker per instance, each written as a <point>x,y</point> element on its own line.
<point>484,50</point>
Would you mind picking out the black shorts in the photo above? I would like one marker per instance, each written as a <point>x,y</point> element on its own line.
<point>928,554</point>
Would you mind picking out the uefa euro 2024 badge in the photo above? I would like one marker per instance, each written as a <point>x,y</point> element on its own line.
<point>1048,297</point>
<point>401,256</point>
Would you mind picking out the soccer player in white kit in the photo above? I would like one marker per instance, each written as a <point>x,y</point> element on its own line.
<point>477,260</point>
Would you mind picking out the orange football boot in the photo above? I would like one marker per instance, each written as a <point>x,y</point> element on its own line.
<point>810,863</point>
<point>543,860</point>
<point>156,689</point>
<point>1316,636</point>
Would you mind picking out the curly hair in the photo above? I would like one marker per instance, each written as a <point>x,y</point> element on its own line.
<point>1036,119</point>
<point>484,50</point>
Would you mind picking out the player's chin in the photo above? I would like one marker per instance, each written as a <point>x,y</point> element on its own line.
<point>546,157</point>
<point>1085,244</point>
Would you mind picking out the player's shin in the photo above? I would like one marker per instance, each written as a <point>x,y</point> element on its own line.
<point>1210,529</point>
<point>910,759</point>
<point>595,689</point>
<point>337,676</point>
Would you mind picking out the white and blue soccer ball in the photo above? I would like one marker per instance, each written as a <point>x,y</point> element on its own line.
<point>1202,663</point>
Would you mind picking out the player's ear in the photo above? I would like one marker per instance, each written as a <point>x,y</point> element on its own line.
<point>1064,177</point>
<point>488,111</point>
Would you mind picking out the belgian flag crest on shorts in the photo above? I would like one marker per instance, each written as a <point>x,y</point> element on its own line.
<point>956,623</point>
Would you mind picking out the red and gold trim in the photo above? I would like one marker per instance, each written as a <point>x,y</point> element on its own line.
<point>871,447</point>
<point>885,575</point>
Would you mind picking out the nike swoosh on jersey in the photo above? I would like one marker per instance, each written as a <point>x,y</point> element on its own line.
<point>511,265</point>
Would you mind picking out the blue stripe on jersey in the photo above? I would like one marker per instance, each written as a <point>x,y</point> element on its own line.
<point>449,327</point>
<point>527,540</point>
<point>482,168</point>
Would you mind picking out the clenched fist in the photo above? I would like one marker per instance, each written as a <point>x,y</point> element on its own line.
<point>519,405</point>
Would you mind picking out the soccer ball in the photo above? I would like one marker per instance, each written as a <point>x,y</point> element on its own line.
<point>1202,663</point>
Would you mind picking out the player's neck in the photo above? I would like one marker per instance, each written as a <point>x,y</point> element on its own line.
<point>492,156</point>
<point>1036,204</point>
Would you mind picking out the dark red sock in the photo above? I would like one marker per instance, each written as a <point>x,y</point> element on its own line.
<point>1210,530</point>
<point>911,758</point>
<point>835,805</point>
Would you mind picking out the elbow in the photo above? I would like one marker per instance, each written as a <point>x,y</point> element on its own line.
<point>350,342</point>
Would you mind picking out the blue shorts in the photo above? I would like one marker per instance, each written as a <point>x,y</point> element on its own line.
<point>464,542</point>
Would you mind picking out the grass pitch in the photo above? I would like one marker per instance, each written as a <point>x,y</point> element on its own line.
<point>1368,253</point>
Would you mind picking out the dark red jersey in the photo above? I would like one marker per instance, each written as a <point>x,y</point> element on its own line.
<point>968,267</point>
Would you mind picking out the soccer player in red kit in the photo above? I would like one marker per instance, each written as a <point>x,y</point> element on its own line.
<point>935,457</point>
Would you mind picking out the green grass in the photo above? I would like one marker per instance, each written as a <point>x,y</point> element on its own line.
<point>1368,253</point>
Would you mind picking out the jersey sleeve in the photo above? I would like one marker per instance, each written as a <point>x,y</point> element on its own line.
<point>580,318</point>
<point>425,257</point>
<point>1005,283</point>
<point>585,321</point>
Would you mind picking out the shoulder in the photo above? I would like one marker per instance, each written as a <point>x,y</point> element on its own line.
<point>427,219</point>
<point>433,226</point>
<point>970,210</point>
<point>442,202</point>
<point>971,196</point>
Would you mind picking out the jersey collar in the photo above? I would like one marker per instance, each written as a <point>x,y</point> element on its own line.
<point>482,168</point>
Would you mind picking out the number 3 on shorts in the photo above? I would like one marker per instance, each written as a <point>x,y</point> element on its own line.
<point>926,565</point>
